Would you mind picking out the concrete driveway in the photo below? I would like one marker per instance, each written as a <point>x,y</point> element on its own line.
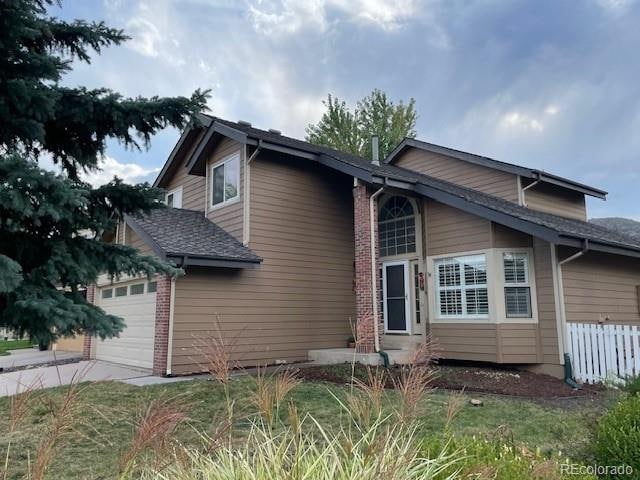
<point>33,356</point>
<point>85,371</point>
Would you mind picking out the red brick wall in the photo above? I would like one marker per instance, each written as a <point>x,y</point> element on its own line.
<point>86,347</point>
<point>365,336</point>
<point>161,343</point>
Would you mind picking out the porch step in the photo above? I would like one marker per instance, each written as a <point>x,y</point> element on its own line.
<point>334,356</point>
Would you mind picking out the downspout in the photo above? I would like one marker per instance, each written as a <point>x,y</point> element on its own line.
<point>531,185</point>
<point>374,286</point>
<point>569,379</point>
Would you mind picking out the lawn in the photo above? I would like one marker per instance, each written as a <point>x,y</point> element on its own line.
<point>6,345</point>
<point>109,410</point>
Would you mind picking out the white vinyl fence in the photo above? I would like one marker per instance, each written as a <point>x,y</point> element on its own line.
<point>601,351</point>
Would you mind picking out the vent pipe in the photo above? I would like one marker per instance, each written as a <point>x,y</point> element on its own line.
<point>375,149</point>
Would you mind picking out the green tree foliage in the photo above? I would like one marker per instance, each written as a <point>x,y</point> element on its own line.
<point>350,130</point>
<point>52,225</point>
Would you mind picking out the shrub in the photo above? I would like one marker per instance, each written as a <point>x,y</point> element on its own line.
<point>632,385</point>
<point>497,459</point>
<point>618,435</point>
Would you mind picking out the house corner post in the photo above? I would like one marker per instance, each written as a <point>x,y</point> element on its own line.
<point>161,337</point>
<point>365,326</point>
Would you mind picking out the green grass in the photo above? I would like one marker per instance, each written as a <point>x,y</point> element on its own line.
<point>6,345</point>
<point>110,408</point>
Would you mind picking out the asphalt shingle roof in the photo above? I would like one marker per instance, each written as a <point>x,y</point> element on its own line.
<point>563,226</point>
<point>182,232</point>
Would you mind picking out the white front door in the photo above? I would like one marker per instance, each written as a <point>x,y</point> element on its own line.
<point>396,295</point>
<point>135,302</point>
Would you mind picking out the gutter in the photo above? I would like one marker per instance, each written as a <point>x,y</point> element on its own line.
<point>569,379</point>
<point>531,185</point>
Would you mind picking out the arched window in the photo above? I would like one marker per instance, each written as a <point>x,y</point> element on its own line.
<point>397,227</point>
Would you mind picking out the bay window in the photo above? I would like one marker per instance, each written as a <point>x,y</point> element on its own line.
<point>461,287</point>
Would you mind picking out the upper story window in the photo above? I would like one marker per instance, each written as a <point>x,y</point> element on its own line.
<point>461,287</point>
<point>225,181</point>
<point>517,289</point>
<point>174,198</point>
<point>397,227</point>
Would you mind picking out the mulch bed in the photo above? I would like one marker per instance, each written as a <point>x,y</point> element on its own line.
<point>501,381</point>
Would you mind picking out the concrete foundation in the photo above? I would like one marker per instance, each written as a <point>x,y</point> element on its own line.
<point>335,356</point>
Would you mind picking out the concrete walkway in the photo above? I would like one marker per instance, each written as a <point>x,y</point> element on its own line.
<point>32,356</point>
<point>84,371</point>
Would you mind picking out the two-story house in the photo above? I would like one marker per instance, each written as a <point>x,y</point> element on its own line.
<point>288,246</point>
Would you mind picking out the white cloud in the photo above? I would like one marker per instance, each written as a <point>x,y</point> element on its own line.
<point>615,6</point>
<point>517,120</point>
<point>290,16</point>
<point>551,110</point>
<point>110,167</point>
<point>145,36</point>
<point>287,17</point>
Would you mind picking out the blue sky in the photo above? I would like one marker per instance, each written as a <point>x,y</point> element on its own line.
<point>547,84</point>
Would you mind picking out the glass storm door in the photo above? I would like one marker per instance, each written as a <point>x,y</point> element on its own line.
<point>395,285</point>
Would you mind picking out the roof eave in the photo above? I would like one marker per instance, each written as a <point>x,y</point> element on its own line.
<point>184,260</point>
<point>203,147</point>
<point>505,167</point>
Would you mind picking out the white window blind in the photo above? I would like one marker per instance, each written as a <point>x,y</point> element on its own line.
<point>461,284</point>
<point>517,290</point>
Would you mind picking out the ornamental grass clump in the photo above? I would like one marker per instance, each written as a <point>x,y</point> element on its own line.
<point>306,450</point>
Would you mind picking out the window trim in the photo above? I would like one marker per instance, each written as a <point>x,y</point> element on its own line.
<point>417,215</point>
<point>495,285</point>
<point>212,167</point>
<point>134,285</point>
<point>463,288</point>
<point>526,284</point>
<point>102,293</point>
<point>174,191</point>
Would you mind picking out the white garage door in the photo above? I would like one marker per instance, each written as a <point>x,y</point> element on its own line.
<point>135,302</point>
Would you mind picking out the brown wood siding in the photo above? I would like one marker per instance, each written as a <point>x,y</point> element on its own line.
<point>559,201</point>
<point>488,180</point>
<point>229,216</point>
<point>505,237</point>
<point>301,296</point>
<point>547,323</point>
<point>134,240</point>
<point>519,343</point>
<point>466,341</point>
<point>600,285</point>
<point>449,230</point>
<point>193,190</point>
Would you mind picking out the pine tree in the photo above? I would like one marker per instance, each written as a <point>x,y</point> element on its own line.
<point>53,227</point>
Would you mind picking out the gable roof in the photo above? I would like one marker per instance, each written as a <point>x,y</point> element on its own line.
<point>187,237</point>
<point>553,228</point>
<point>495,164</point>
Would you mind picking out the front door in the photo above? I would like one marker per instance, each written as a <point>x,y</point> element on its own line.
<point>395,286</point>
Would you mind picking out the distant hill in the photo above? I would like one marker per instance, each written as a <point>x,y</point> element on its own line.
<point>623,225</point>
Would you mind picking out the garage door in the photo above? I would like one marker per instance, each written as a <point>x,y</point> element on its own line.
<point>135,302</point>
